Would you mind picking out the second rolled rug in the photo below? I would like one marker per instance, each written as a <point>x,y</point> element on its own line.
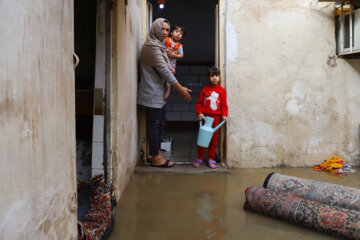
<point>327,193</point>
<point>340,222</point>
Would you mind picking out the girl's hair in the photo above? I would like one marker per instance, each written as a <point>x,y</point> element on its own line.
<point>179,26</point>
<point>213,71</point>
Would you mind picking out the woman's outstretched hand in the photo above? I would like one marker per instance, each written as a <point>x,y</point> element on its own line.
<point>183,91</point>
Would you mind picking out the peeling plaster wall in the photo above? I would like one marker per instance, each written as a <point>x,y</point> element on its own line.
<point>126,45</point>
<point>291,101</point>
<point>37,120</point>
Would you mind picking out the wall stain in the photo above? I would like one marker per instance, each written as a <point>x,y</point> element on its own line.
<point>332,102</point>
<point>131,26</point>
<point>45,226</point>
<point>331,61</point>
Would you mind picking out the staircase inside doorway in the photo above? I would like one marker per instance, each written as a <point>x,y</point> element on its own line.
<point>183,144</point>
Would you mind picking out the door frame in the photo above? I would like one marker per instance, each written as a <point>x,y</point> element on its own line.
<point>101,158</point>
<point>219,62</point>
<point>147,16</point>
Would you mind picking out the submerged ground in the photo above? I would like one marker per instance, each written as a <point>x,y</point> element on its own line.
<point>209,206</point>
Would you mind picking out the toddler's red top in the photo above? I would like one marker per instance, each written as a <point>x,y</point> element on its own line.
<point>212,101</point>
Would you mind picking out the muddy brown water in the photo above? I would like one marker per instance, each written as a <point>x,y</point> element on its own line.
<point>210,206</point>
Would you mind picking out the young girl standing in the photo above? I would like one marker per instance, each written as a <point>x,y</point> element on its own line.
<point>211,103</point>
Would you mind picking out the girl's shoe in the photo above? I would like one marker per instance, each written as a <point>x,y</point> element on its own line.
<point>200,161</point>
<point>212,162</point>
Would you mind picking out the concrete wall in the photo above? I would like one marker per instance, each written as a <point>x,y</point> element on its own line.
<point>292,103</point>
<point>37,120</point>
<point>126,45</point>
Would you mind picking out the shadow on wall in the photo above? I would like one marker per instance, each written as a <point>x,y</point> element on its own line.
<point>354,63</point>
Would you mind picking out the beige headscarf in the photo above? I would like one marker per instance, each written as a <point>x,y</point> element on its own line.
<point>153,52</point>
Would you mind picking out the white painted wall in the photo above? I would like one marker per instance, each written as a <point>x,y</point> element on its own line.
<point>37,120</point>
<point>290,102</point>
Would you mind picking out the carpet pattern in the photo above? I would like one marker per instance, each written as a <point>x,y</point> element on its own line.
<point>340,222</point>
<point>327,193</point>
<point>98,218</point>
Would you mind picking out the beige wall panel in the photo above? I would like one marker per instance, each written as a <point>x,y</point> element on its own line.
<point>291,102</point>
<point>37,120</point>
<point>126,44</point>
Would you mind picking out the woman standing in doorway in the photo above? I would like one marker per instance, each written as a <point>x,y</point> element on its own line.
<point>155,72</point>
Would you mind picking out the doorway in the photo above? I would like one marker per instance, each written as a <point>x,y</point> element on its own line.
<point>92,86</point>
<point>92,95</point>
<point>201,50</point>
<point>85,49</point>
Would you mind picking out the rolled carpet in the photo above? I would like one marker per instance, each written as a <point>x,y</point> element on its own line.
<point>327,193</point>
<point>340,222</point>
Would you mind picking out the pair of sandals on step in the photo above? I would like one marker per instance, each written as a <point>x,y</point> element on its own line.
<point>199,162</point>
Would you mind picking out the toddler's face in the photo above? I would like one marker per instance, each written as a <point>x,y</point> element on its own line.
<point>214,80</point>
<point>177,34</point>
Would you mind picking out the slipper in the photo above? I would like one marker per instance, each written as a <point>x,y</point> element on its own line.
<point>164,165</point>
<point>200,161</point>
<point>212,162</point>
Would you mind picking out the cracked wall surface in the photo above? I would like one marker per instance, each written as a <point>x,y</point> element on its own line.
<point>291,101</point>
<point>126,45</point>
<point>37,121</point>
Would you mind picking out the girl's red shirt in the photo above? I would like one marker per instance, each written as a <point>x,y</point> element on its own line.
<point>212,101</point>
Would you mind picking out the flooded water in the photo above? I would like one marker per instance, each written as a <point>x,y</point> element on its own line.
<point>182,206</point>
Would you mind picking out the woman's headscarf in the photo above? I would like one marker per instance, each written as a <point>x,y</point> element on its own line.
<point>153,52</point>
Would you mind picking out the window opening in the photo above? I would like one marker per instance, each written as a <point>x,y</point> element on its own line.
<point>347,24</point>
